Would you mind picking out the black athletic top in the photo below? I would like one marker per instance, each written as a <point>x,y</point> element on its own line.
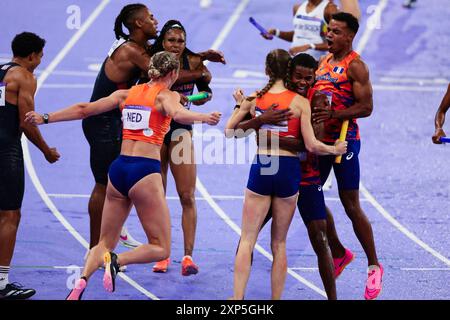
<point>9,113</point>
<point>108,125</point>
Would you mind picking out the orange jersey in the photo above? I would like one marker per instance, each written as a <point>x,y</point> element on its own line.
<point>332,79</point>
<point>290,128</point>
<point>141,120</point>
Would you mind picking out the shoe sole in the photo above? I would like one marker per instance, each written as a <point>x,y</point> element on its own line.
<point>108,282</point>
<point>189,271</point>
<point>160,270</point>
<point>344,266</point>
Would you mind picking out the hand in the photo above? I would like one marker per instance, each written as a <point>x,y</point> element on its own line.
<point>272,32</point>
<point>321,114</point>
<point>52,155</point>
<point>203,101</point>
<point>213,56</point>
<point>213,118</point>
<point>272,116</point>
<point>437,136</point>
<point>296,50</point>
<point>340,147</point>
<point>183,99</point>
<point>239,96</point>
<point>33,118</point>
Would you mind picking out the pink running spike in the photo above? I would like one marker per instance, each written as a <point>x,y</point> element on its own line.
<point>374,282</point>
<point>77,291</point>
<point>341,263</point>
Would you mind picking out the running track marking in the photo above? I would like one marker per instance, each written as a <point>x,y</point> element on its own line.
<point>217,197</point>
<point>360,48</point>
<point>26,152</point>
<point>201,188</point>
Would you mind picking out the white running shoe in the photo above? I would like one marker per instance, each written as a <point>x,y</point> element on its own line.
<point>127,240</point>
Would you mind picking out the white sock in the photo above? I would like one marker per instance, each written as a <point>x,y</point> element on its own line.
<point>4,271</point>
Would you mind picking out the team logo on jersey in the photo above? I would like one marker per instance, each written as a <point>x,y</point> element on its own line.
<point>339,70</point>
<point>349,156</point>
<point>327,77</point>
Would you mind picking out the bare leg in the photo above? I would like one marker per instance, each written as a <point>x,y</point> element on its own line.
<point>185,175</point>
<point>317,231</point>
<point>283,210</point>
<point>9,224</point>
<point>337,249</point>
<point>254,211</point>
<point>361,225</point>
<point>115,212</point>
<point>95,208</point>
<point>151,206</point>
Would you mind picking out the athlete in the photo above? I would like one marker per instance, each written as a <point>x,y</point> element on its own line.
<point>275,174</point>
<point>134,177</point>
<point>17,90</point>
<point>345,77</point>
<point>310,20</point>
<point>439,119</point>
<point>127,59</point>
<point>311,204</point>
<point>172,38</point>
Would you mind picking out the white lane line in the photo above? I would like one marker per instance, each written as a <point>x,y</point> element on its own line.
<point>425,269</point>
<point>215,197</point>
<point>400,227</point>
<point>201,188</point>
<point>376,16</point>
<point>26,152</point>
<point>361,46</point>
<point>419,81</point>
<point>378,87</point>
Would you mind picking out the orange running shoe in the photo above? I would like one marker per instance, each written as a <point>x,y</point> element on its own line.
<point>188,266</point>
<point>162,266</point>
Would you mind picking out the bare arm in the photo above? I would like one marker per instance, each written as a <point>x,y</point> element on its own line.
<point>27,89</point>
<point>351,6</point>
<point>439,119</point>
<point>236,118</point>
<point>170,102</point>
<point>81,110</point>
<point>312,144</point>
<point>358,73</point>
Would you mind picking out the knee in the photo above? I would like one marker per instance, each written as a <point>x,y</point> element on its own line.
<point>278,246</point>
<point>319,240</point>
<point>187,199</point>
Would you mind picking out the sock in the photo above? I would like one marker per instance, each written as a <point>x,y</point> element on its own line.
<point>4,271</point>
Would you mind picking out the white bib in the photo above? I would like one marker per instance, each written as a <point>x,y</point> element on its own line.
<point>2,94</point>
<point>136,117</point>
<point>283,127</point>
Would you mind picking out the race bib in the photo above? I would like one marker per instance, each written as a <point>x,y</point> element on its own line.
<point>115,45</point>
<point>136,117</point>
<point>2,94</point>
<point>282,127</point>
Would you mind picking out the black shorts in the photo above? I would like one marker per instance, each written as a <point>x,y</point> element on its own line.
<point>105,143</point>
<point>175,130</point>
<point>12,177</point>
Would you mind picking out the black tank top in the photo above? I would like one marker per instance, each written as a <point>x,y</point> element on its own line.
<point>9,113</point>
<point>107,125</point>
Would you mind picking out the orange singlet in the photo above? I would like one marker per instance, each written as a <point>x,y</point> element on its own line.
<point>333,79</point>
<point>141,120</point>
<point>290,128</point>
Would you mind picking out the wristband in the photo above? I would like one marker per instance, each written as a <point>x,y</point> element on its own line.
<point>45,118</point>
<point>237,106</point>
<point>277,33</point>
<point>313,46</point>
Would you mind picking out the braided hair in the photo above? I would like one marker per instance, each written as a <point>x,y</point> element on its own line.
<point>277,62</point>
<point>169,25</point>
<point>125,18</point>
